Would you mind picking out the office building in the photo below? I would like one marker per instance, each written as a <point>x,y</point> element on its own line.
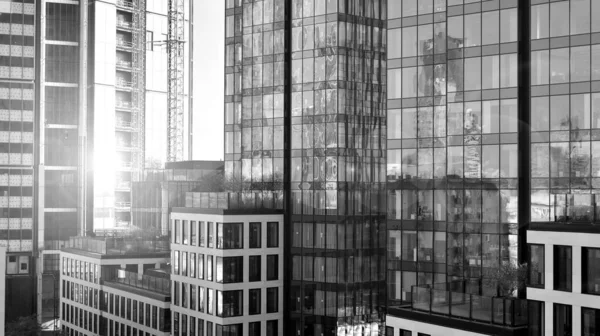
<point>304,113</point>
<point>115,286</point>
<point>228,267</point>
<point>491,147</point>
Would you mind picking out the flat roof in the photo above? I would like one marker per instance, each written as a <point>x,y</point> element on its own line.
<point>98,255</point>
<point>208,211</point>
<point>196,164</point>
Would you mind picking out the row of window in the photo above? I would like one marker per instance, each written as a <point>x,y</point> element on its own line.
<point>563,320</point>
<point>184,325</point>
<point>563,268</point>
<point>229,235</point>
<point>80,269</point>
<point>228,303</point>
<point>81,294</point>
<point>226,269</point>
<point>389,331</point>
<point>138,312</point>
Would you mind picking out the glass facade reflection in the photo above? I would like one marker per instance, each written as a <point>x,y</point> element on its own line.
<point>305,102</point>
<point>565,103</point>
<point>452,164</point>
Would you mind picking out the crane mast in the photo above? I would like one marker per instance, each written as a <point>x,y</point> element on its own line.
<point>175,51</point>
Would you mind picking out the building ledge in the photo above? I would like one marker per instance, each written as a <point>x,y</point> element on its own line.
<point>456,323</point>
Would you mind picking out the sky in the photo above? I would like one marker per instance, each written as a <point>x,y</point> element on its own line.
<point>208,81</point>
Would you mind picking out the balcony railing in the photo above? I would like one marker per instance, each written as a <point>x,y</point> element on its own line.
<point>124,104</point>
<point>123,185</point>
<point>118,245</point>
<point>509,312</point>
<point>124,64</point>
<point>124,24</point>
<point>123,204</point>
<point>147,282</point>
<point>124,44</point>
<point>125,4</point>
<point>123,124</point>
<point>234,201</point>
<point>122,83</point>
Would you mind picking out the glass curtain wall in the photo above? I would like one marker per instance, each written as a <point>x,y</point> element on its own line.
<point>452,143</point>
<point>337,128</point>
<point>565,104</point>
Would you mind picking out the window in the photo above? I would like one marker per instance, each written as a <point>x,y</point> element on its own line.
<point>563,323</point>
<point>202,232</point>
<point>272,234</point>
<point>422,334</point>
<point>535,311</point>
<point>176,293</point>
<point>255,235</point>
<point>230,236</point>
<point>209,301</point>
<point>563,268</point>
<point>192,264</point>
<point>591,270</point>
<point>200,266</point>
<point>184,263</point>
<point>272,300</point>
<point>405,332</point>
<point>201,302</point>
<point>210,234</point>
<point>536,265</point>
<point>209,328</point>
<point>389,331</point>
<point>254,329</point>
<point>230,303</point>
<point>272,267</point>
<point>590,322</point>
<point>272,328</point>
<point>186,232</point>
<point>176,231</point>
<point>193,297</point>
<point>209,268</point>
<point>254,304</point>
<point>230,269</point>
<point>200,327</point>
<point>254,268</point>
<point>193,233</point>
<point>229,330</point>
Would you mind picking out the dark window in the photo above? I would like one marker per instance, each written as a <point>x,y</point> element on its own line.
<point>254,304</point>
<point>230,236</point>
<point>272,300</point>
<point>535,313</point>
<point>405,332</point>
<point>230,269</point>
<point>272,234</point>
<point>272,328</point>
<point>184,325</point>
<point>591,270</point>
<point>422,334</point>
<point>209,328</point>
<point>177,231</point>
<point>563,268</point>
<point>230,303</point>
<point>176,293</point>
<point>389,331</point>
<point>229,330</point>
<point>536,265</point>
<point>563,325</point>
<point>590,322</point>
<point>254,329</point>
<point>255,235</point>
<point>200,327</point>
<point>254,268</point>
<point>272,267</point>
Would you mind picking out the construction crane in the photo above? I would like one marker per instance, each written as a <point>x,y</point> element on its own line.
<point>176,79</point>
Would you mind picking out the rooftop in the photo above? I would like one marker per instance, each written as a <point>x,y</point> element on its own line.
<point>233,203</point>
<point>141,284</point>
<point>120,246</point>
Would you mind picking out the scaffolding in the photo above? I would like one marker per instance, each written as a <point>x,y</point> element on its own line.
<point>175,47</point>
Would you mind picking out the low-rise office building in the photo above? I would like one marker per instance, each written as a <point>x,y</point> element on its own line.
<point>116,287</point>
<point>227,267</point>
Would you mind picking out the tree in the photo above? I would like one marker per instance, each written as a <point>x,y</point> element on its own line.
<point>24,326</point>
<point>508,278</point>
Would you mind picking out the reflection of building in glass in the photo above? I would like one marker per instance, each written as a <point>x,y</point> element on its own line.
<point>304,101</point>
<point>162,189</point>
<point>479,151</point>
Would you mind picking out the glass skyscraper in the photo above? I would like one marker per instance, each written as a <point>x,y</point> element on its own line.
<point>305,113</point>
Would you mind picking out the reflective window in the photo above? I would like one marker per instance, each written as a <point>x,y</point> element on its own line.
<point>563,272</point>
<point>591,271</point>
<point>536,265</point>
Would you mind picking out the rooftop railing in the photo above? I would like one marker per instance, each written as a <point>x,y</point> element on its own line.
<point>146,282</point>
<point>118,245</point>
<point>503,311</point>
<point>234,201</point>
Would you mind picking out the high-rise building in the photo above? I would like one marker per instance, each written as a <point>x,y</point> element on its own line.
<point>491,109</point>
<point>83,85</point>
<point>305,113</point>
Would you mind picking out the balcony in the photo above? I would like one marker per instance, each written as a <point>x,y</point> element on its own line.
<point>140,281</point>
<point>121,245</point>
<point>123,84</point>
<point>124,44</point>
<point>122,64</point>
<point>499,311</point>
<point>234,201</point>
<point>123,185</point>
<point>124,125</point>
<point>124,105</point>
<point>124,24</point>
<point>125,4</point>
<point>123,205</point>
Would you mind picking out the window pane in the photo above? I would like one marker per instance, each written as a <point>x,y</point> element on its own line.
<point>562,268</point>
<point>591,271</point>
